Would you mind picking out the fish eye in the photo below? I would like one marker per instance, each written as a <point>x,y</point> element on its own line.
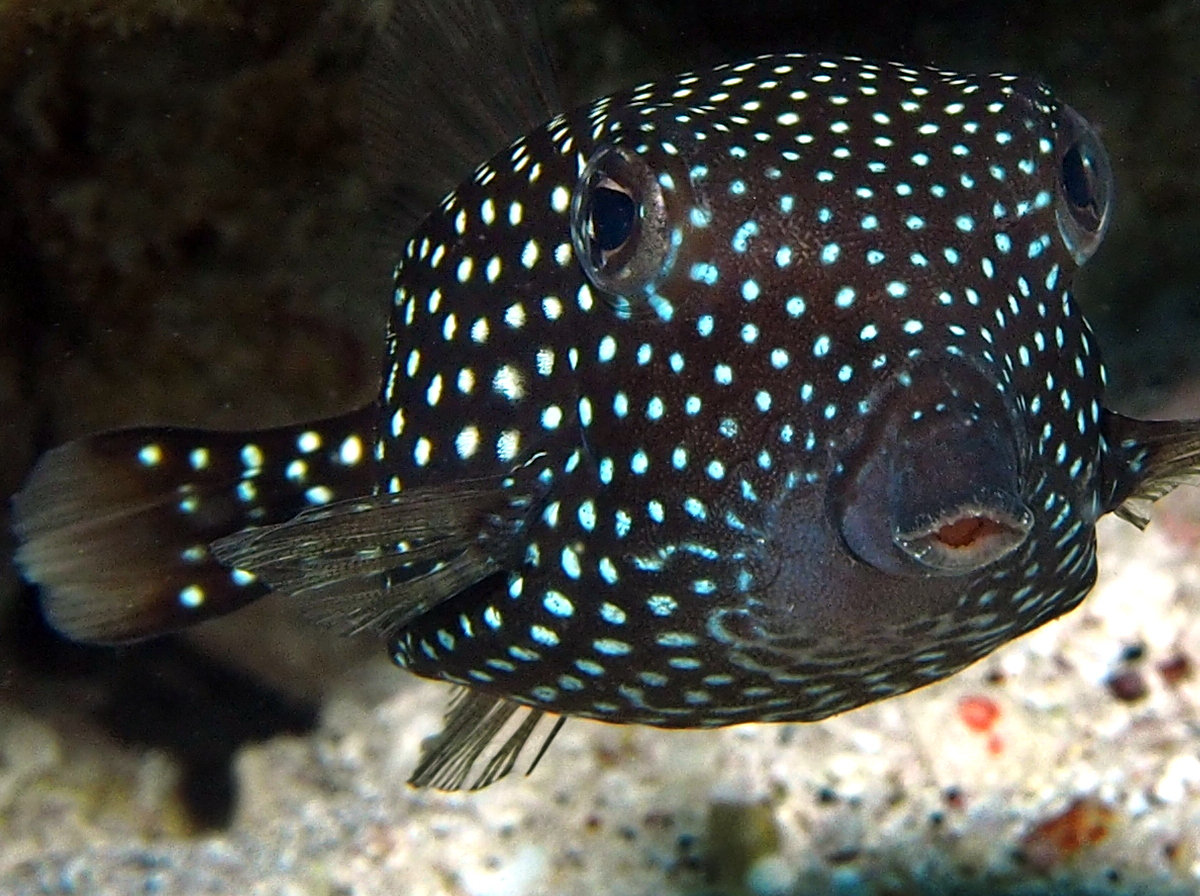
<point>619,222</point>
<point>1079,180</point>
<point>613,214</point>
<point>1084,187</point>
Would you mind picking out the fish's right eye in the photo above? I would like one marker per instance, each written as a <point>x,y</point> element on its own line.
<point>613,215</point>
<point>619,223</point>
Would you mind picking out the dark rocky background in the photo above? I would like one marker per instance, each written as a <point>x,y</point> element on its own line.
<point>186,236</point>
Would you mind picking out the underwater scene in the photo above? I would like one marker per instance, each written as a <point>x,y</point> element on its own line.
<point>635,447</point>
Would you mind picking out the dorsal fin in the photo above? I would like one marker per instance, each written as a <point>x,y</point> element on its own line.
<point>449,84</point>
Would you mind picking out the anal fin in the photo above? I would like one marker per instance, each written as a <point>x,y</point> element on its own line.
<point>474,722</point>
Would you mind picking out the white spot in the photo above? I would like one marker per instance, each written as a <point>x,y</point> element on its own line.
<point>466,381</point>
<point>434,393</point>
<point>479,331</point>
<point>191,597</point>
<point>319,494</point>
<point>530,254</point>
<point>509,383</point>
<point>150,455</point>
<point>421,451</point>
<point>639,463</point>
<point>494,267</point>
<point>587,515</point>
<point>467,442</point>
<point>612,614</point>
<point>199,458</point>
<point>514,315</point>
<point>351,451</point>
<point>570,563</point>
<point>558,604</point>
<point>508,444</point>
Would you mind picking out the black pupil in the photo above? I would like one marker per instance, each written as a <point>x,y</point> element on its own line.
<point>1076,178</point>
<point>613,214</point>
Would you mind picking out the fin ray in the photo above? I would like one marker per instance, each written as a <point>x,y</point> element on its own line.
<point>474,722</point>
<point>426,125</point>
<point>1157,456</point>
<point>376,563</point>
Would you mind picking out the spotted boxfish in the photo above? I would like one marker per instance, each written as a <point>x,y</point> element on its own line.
<point>755,394</point>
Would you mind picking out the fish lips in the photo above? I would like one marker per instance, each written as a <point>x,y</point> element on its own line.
<point>934,487</point>
<point>965,536</point>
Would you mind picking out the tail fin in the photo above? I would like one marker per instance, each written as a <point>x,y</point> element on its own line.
<point>1146,459</point>
<point>116,527</point>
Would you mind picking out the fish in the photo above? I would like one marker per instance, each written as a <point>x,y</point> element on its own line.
<point>755,394</point>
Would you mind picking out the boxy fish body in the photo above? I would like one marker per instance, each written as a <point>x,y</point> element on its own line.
<point>756,394</point>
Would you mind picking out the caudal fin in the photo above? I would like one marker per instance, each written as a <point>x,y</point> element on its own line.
<point>115,527</point>
<point>1148,458</point>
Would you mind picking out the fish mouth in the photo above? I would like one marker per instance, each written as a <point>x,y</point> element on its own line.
<point>967,537</point>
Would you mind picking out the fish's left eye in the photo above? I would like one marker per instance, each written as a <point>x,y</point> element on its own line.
<point>1079,180</point>
<point>1084,186</point>
<point>619,222</point>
